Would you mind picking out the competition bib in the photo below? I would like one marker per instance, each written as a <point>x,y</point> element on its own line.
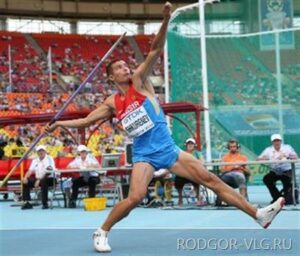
<point>137,122</point>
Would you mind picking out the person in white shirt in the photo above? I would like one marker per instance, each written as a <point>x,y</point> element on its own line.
<point>280,171</point>
<point>90,179</point>
<point>41,167</point>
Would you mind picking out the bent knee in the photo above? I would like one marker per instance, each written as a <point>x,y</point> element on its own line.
<point>211,181</point>
<point>135,199</point>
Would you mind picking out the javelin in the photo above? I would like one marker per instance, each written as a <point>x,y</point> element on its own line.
<point>59,113</point>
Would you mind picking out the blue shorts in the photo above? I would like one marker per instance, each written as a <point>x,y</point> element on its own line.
<point>163,159</point>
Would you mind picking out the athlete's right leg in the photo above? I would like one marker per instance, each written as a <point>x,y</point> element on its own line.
<point>141,176</point>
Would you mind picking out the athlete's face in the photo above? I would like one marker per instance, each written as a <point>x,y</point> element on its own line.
<point>120,72</point>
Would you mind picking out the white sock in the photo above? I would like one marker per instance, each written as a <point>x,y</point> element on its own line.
<point>258,213</point>
<point>102,232</point>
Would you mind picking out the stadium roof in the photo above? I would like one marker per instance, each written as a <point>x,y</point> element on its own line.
<point>134,10</point>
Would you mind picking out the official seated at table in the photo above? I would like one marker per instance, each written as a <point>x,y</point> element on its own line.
<point>179,182</point>
<point>279,171</point>
<point>234,175</point>
<point>90,179</point>
<point>41,166</point>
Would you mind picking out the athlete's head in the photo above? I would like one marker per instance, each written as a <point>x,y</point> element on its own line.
<point>118,72</point>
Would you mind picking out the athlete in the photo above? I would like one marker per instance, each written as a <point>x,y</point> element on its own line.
<point>143,119</point>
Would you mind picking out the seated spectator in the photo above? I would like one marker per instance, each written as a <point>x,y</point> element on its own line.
<point>281,171</point>
<point>41,166</point>
<point>180,181</point>
<point>10,148</point>
<point>3,143</point>
<point>90,179</point>
<point>19,151</point>
<point>163,187</point>
<point>67,148</point>
<point>234,175</point>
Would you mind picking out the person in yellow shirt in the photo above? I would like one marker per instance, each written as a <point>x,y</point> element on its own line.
<point>118,138</point>
<point>163,187</point>
<point>10,148</point>
<point>235,175</point>
<point>19,150</point>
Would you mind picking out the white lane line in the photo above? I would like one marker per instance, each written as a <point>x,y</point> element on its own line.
<point>148,228</point>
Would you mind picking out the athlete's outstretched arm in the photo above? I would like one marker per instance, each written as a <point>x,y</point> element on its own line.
<point>157,46</point>
<point>104,111</point>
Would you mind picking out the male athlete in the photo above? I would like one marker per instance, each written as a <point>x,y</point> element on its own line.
<point>136,107</point>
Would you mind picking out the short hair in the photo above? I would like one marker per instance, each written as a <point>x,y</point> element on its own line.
<point>109,66</point>
<point>233,141</point>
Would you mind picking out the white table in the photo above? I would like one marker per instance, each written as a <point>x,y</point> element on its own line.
<point>111,172</point>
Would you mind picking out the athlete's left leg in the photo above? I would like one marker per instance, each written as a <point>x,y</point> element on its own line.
<point>189,167</point>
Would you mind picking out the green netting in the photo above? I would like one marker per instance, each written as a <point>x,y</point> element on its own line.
<point>242,83</point>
